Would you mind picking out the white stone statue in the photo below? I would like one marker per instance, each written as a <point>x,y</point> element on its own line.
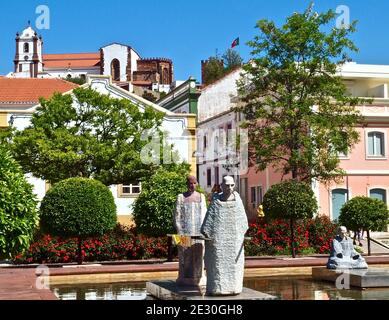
<point>343,254</point>
<point>225,224</point>
<point>188,218</point>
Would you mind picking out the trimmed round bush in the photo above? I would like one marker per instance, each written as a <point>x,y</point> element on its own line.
<point>78,207</point>
<point>153,209</point>
<point>366,213</point>
<point>292,200</point>
<point>289,200</point>
<point>18,208</point>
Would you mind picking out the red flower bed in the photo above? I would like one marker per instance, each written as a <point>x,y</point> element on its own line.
<point>273,237</point>
<point>121,244</point>
<point>268,238</point>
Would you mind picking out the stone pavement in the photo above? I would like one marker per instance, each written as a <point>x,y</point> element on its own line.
<point>18,283</point>
<point>375,247</point>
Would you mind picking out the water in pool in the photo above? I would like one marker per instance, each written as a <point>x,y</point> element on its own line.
<point>285,288</point>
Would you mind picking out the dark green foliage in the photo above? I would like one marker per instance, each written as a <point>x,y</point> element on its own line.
<point>153,209</point>
<point>162,94</point>
<point>121,243</point>
<point>364,213</point>
<point>18,208</point>
<point>149,96</point>
<point>100,139</point>
<point>273,237</point>
<point>78,207</point>
<point>231,59</point>
<point>294,68</point>
<point>76,80</point>
<point>213,70</point>
<point>289,200</point>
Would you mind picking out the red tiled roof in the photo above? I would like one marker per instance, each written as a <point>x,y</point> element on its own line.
<point>71,60</point>
<point>24,90</point>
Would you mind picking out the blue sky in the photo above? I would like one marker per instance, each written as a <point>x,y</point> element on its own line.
<point>184,31</point>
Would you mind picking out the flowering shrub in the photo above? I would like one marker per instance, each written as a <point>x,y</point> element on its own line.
<point>321,232</point>
<point>123,243</point>
<point>120,244</point>
<point>273,237</point>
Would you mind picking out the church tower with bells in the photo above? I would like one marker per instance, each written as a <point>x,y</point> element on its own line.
<point>28,57</point>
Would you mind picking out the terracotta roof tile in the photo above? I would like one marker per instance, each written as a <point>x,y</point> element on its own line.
<point>71,60</point>
<point>29,90</point>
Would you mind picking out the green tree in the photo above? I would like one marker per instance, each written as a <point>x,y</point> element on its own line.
<point>290,200</point>
<point>76,80</point>
<point>149,96</point>
<point>298,113</point>
<point>364,213</point>
<point>98,137</point>
<point>231,59</point>
<point>213,70</point>
<point>18,208</point>
<point>78,207</point>
<point>153,209</point>
<point>215,67</point>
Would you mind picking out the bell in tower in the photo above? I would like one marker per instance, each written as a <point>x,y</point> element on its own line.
<point>28,57</point>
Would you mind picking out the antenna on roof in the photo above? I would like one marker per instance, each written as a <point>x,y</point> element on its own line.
<point>29,23</point>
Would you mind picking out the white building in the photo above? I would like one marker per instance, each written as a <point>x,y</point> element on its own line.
<point>28,57</point>
<point>216,120</point>
<point>180,129</point>
<point>120,61</point>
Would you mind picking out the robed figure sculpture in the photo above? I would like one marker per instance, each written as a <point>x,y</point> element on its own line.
<point>224,228</point>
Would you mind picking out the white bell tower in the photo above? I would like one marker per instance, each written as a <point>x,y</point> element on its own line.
<point>28,58</point>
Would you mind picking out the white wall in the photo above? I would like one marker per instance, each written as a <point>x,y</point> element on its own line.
<point>63,73</point>
<point>174,124</point>
<point>134,64</point>
<point>216,98</point>
<point>210,129</point>
<point>116,51</point>
<point>123,205</point>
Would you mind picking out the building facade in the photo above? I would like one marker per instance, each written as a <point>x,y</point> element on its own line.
<point>366,164</point>
<point>183,98</point>
<point>123,63</point>
<point>19,99</point>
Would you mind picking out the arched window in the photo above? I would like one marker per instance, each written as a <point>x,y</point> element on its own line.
<point>378,193</point>
<point>375,144</point>
<point>165,76</point>
<point>26,47</point>
<point>115,70</point>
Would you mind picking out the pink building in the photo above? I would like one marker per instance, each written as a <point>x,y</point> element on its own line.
<point>366,165</point>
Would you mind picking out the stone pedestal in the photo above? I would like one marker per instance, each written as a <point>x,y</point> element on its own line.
<point>191,263</point>
<point>361,278</point>
<point>169,290</point>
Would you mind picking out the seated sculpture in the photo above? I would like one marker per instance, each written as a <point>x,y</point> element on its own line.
<point>343,254</point>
